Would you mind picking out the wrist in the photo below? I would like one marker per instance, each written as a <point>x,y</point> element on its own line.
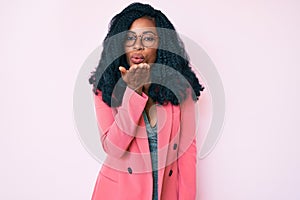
<point>137,90</point>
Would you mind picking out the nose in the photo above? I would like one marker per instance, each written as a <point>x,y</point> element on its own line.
<point>138,45</point>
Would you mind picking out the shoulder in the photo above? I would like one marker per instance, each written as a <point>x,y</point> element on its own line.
<point>188,100</point>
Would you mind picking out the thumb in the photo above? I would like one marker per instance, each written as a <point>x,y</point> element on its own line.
<point>122,70</point>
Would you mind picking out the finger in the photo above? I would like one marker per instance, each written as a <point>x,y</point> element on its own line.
<point>140,69</point>
<point>122,69</point>
<point>133,68</point>
<point>144,65</point>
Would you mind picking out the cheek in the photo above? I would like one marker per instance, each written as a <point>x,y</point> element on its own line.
<point>127,58</point>
<point>127,52</point>
<point>152,55</point>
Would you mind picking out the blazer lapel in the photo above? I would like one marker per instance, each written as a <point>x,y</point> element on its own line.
<point>164,129</point>
<point>143,145</point>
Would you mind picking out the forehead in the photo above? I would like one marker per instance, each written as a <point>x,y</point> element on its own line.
<point>143,25</point>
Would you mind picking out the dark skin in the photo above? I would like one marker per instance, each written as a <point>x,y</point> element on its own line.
<point>138,75</point>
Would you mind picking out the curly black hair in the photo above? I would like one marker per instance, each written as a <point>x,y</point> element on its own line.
<point>171,74</point>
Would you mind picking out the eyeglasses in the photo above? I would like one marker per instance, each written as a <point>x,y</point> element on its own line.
<point>147,39</point>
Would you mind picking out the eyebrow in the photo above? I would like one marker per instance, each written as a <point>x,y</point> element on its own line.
<point>142,33</point>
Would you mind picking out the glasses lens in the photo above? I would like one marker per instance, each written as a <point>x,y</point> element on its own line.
<point>148,39</point>
<point>130,39</point>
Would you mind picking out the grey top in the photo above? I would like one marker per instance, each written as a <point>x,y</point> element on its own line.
<point>152,140</point>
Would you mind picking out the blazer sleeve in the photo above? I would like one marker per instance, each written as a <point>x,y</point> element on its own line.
<point>187,151</point>
<point>118,127</point>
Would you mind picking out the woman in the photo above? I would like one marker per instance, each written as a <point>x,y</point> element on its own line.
<point>145,94</point>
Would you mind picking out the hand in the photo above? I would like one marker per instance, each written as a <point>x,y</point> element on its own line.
<point>136,77</point>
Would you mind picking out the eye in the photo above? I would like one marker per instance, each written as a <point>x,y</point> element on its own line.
<point>149,38</point>
<point>130,38</point>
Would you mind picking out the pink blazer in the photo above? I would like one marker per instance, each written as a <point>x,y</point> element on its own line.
<point>126,173</point>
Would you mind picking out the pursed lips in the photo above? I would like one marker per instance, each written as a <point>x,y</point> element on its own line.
<point>137,58</point>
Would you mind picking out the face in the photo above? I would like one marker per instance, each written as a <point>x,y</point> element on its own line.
<point>141,42</point>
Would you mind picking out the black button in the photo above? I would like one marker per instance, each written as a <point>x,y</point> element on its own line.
<point>129,170</point>
<point>171,172</point>
<point>175,146</point>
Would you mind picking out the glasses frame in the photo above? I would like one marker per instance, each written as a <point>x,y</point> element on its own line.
<point>141,38</point>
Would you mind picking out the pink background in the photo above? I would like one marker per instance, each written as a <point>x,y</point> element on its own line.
<point>254,45</point>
